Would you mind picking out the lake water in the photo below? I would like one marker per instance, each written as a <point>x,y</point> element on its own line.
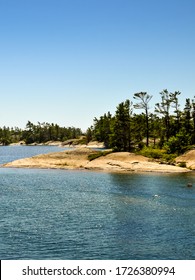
<point>61,214</point>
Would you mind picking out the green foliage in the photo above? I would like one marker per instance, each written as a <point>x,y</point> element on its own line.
<point>89,134</point>
<point>140,145</point>
<point>168,100</point>
<point>44,132</point>
<point>5,136</point>
<point>158,154</point>
<point>38,133</point>
<point>168,158</point>
<point>170,129</point>
<point>152,152</point>
<point>144,99</point>
<point>103,129</point>
<point>177,144</point>
<point>122,138</point>
<point>82,141</point>
<point>182,164</point>
<point>187,116</point>
<point>138,129</point>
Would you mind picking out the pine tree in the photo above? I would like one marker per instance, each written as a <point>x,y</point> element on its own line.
<point>144,99</point>
<point>163,108</point>
<point>122,128</point>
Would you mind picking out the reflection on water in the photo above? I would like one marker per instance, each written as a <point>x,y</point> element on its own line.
<point>56,214</point>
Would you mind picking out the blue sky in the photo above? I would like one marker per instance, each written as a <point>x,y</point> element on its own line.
<point>68,61</point>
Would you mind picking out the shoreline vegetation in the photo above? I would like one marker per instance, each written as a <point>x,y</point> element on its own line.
<point>161,141</point>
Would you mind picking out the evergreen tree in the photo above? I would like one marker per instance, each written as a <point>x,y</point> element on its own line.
<point>187,116</point>
<point>144,99</point>
<point>102,129</point>
<point>176,106</point>
<point>163,108</point>
<point>138,129</point>
<point>193,119</point>
<point>89,134</point>
<point>155,127</point>
<point>122,129</point>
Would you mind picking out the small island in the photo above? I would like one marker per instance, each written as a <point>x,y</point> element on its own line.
<point>162,141</point>
<point>88,159</point>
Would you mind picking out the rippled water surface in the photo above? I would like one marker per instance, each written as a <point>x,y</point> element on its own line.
<point>59,214</point>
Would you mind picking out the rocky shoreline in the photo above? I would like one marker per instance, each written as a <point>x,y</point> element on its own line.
<point>79,158</point>
<point>71,144</point>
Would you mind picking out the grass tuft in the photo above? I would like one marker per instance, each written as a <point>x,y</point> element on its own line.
<point>98,154</point>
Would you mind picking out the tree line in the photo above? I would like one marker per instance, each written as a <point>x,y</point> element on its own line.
<point>132,127</point>
<point>167,127</point>
<point>38,133</point>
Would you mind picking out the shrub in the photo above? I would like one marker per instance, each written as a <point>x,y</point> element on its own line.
<point>177,144</point>
<point>158,154</point>
<point>152,152</point>
<point>169,158</point>
<point>182,164</point>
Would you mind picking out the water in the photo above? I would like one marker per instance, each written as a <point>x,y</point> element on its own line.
<point>10,153</point>
<point>61,214</point>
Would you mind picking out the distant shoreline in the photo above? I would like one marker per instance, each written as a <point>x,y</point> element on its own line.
<point>92,144</point>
